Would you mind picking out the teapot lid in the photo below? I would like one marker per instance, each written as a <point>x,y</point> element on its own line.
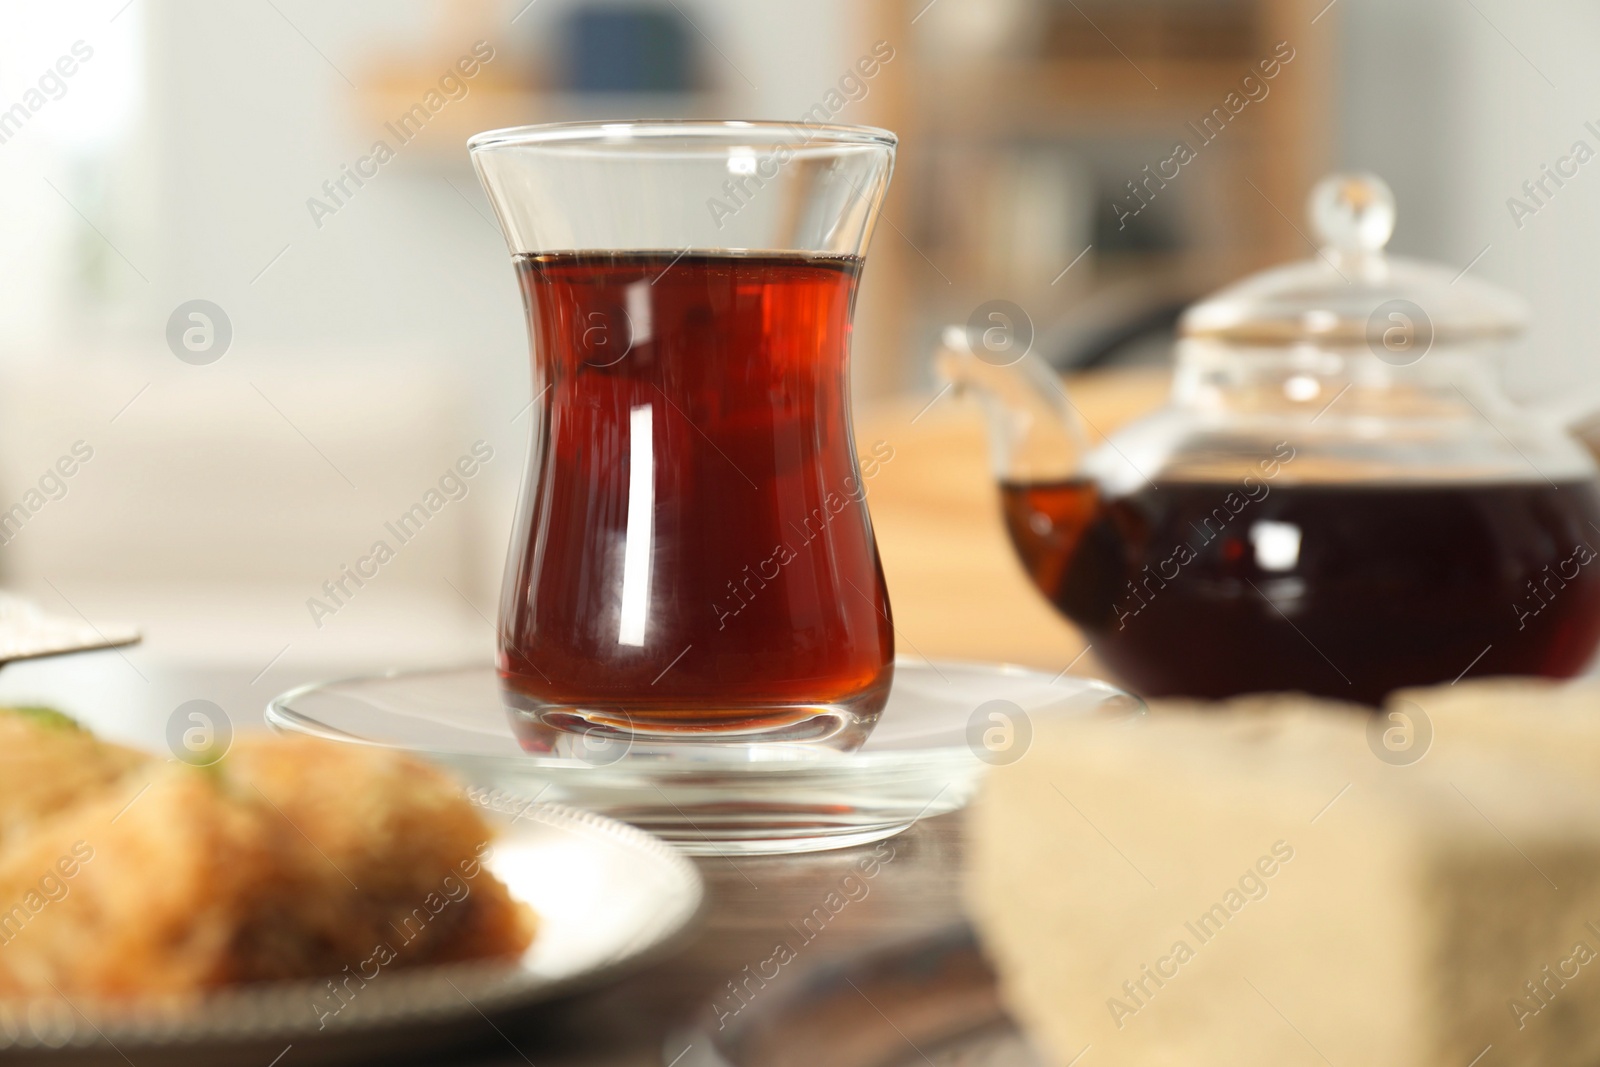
<point>1351,291</point>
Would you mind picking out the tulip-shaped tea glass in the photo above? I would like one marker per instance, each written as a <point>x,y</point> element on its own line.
<point>692,557</point>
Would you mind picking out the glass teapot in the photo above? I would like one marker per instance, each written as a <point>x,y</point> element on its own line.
<point>1336,499</point>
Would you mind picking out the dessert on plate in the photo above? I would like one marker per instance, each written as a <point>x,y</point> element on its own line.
<point>288,858</point>
<point>47,762</point>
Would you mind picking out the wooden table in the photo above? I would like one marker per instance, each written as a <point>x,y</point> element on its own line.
<point>753,900</point>
<point>958,592</point>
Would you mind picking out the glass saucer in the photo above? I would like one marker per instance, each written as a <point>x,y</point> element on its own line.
<point>945,724</point>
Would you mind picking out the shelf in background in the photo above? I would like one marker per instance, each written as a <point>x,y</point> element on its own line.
<point>490,106</point>
<point>1067,95</point>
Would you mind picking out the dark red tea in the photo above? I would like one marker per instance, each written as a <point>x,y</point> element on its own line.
<point>1344,591</point>
<point>694,540</point>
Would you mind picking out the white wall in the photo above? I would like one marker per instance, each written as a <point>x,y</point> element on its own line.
<point>1449,101</point>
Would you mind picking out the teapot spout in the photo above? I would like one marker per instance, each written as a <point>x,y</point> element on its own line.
<point>1035,433</point>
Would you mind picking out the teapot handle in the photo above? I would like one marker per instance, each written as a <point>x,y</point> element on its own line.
<point>1035,431</point>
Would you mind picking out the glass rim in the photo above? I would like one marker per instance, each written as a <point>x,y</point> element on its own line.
<point>683,135</point>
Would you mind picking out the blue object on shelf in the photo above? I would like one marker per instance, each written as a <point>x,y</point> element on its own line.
<point>641,48</point>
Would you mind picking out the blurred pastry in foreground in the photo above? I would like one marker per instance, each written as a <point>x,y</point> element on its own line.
<point>387,832</point>
<point>48,762</point>
<point>1542,721</point>
<point>291,858</point>
<point>1279,880</point>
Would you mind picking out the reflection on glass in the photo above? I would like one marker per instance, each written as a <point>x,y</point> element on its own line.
<point>636,548</point>
<point>1277,545</point>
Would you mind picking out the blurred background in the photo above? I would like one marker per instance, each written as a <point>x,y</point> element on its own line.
<point>368,332</point>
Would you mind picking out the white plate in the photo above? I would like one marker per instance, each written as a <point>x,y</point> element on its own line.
<point>608,897</point>
<point>926,755</point>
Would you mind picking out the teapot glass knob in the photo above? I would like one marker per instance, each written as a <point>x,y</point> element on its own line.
<point>1352,212</point>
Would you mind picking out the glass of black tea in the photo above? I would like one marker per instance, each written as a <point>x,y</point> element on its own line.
<point>692,557</point>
